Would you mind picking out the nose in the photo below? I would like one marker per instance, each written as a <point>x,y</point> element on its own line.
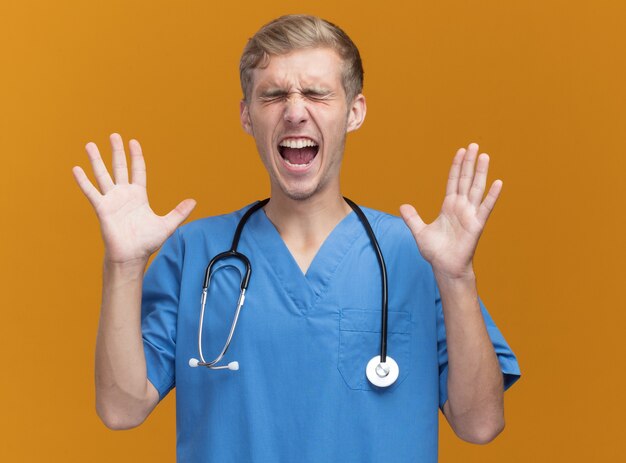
<point>296,111</point>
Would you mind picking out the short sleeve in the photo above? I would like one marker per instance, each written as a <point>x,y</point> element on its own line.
<point>159,307</point>
<point>506,357</point>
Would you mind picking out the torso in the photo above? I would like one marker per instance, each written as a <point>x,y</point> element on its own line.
<point>302,342</point>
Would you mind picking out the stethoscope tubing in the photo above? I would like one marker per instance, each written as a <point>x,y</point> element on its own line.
<point>240,302</point>
<point>383,276</point>
<point>245,280</point>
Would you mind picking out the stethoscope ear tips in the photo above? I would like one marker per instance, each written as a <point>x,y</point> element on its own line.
<point>382,374</point>
<point>234,366</point>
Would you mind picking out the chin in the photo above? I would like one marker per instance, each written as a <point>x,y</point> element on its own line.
<point>299,193</point>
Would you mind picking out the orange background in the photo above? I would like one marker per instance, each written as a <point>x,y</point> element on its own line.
<point>540,85</point>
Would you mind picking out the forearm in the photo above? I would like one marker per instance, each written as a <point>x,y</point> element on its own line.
<point>475,406</point>
<point>124,397</point>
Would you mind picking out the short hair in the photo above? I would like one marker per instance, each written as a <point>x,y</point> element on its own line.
<point>296,32</point>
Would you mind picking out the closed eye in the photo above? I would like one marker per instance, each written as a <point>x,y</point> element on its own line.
<point>273,95</point>
<point>317,95</point>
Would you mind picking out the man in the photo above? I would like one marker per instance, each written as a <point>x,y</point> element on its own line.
<point>311,321</point>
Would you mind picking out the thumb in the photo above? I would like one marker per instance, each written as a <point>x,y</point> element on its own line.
<point>178,215</point>
<point>412,219</point>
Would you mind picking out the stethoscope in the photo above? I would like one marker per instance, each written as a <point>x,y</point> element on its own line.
<point>381,370</point>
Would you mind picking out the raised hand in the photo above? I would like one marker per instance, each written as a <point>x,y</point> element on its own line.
<point>130,229</point>
<point>450,241</point>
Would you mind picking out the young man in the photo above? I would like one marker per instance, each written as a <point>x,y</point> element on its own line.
<point>312,317</point>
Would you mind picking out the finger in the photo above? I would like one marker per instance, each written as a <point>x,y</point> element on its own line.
<point>412,219</point>
<point>118,160</point>
<point>467,169</point>
<point>137,164</point>
<point>103,179</point>
<point>179,213</point>
<point>455,172</point>
<point>480,180</point>
<point>490,201</point>
<point>90,191</point>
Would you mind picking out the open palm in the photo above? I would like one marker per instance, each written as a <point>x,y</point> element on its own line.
<point>449,243</point>
<point>130,229</point>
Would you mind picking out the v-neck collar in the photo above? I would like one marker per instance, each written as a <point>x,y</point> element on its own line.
<point>304,289</point>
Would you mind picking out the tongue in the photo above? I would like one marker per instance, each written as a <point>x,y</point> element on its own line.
<point>299,155</point>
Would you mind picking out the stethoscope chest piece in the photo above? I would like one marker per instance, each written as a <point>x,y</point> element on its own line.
<point>382,374</point>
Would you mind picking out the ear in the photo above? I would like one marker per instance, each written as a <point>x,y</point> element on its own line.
<point>356,116</point>
<point>244,116</point>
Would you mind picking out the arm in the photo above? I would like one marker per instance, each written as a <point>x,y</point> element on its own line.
<point>475,406</point>
<point>124,396</point>
<point>131,233</point>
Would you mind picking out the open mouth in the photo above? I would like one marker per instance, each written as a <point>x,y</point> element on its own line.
<point>298,152</point>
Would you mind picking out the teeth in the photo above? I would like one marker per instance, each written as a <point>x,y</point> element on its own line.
<point>297,143</point>
<point>298,165</point>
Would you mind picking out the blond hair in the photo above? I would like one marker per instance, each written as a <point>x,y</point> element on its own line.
<point>295,32</point>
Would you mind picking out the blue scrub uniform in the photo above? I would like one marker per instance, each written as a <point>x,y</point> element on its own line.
<point>302,343</point>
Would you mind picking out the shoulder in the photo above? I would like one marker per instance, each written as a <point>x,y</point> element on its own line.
<point>388,226</point>
<point>213,224</point>
<point>207,233</point>
<point>395,239</point>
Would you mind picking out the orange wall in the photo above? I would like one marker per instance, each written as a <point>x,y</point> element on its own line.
<point>539,84</point>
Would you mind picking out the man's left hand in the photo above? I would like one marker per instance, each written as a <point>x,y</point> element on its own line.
<point>450,241</point>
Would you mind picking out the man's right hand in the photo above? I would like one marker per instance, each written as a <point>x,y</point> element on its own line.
<point>130,229</point>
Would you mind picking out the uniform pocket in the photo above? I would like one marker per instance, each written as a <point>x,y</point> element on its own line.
<point>359,341</point>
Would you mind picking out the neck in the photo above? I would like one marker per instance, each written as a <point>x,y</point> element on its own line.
<point>305,224</point>
<point>308,220</point>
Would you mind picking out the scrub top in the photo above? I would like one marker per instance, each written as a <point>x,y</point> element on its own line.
<point>302,343</point>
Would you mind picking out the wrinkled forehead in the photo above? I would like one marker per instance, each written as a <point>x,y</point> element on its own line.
<point>308,68</point>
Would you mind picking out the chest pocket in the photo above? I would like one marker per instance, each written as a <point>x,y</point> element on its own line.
<point>359,341</point>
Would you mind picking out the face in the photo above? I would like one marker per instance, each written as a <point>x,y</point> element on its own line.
<point>299,117</point>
